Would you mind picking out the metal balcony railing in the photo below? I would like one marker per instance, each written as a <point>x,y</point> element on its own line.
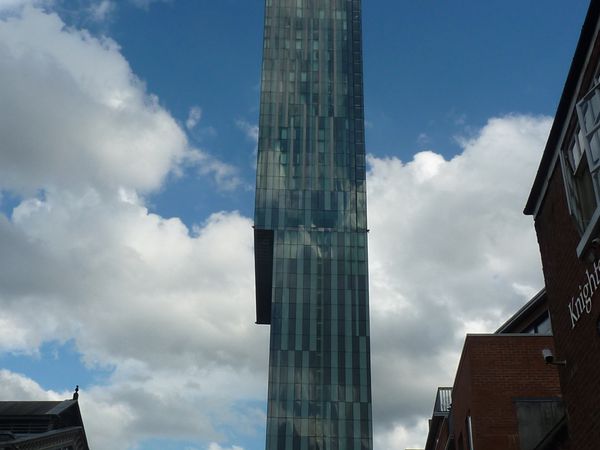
<point>443,401</point>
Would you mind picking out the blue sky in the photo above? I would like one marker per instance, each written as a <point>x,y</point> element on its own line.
<point>126,196</point>
<point>434,70</point>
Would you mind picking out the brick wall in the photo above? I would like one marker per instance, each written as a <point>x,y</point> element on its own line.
<point>564,272</point>
<point>495,370</point>
<point>442,437</point>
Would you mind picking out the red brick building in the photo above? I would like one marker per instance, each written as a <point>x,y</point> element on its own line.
<point>564,202</point>
<point>505,396</point>
<point>499,378</point>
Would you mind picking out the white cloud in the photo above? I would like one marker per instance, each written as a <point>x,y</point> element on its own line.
<point>215,446</point>
<point>163,306</point>
<point>18,387</point>
<point>14,5</point>
<point>250,130</point>
<point>101,10</point>
<point>423,139</point>
<point>194,116</point>
<point>94,123</point>
<point>401,437</point>
<point>451,252</point>
<point>171,309</point>
<point>145,4</point>
<point>225,175</point>
<point>198,133</point>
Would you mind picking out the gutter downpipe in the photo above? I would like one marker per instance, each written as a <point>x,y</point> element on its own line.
<point>471,446</point>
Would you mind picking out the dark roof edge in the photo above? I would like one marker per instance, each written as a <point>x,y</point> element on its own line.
<point>61,407</point>
<point>78,411</point>
<point>507,335</point>
<point>537,298</point>
<point>585,38</point>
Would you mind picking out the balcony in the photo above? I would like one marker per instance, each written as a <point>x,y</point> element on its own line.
<point>443,402</point>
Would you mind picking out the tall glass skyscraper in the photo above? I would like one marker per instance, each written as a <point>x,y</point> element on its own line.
<point>311,229</point>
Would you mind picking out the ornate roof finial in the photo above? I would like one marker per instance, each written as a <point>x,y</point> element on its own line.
<point>76,393</point>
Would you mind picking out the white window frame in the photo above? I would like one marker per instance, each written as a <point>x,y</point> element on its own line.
<point>590,125</point>
<point>586,142</point>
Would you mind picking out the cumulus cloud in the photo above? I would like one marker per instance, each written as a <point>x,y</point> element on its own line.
<point>163,306</point>
<point>121,414</point>
<point>19,387</point>
<point>451,252</point>
<point>170,309</point>
<point>13,5</point>
<point>94,124</point>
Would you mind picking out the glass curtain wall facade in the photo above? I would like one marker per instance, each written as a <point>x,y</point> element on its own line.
<point>311,227</point>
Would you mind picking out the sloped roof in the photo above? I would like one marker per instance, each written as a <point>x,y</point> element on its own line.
<point>35,419</point>
<point>31,408</point>
<point>521,315</point>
